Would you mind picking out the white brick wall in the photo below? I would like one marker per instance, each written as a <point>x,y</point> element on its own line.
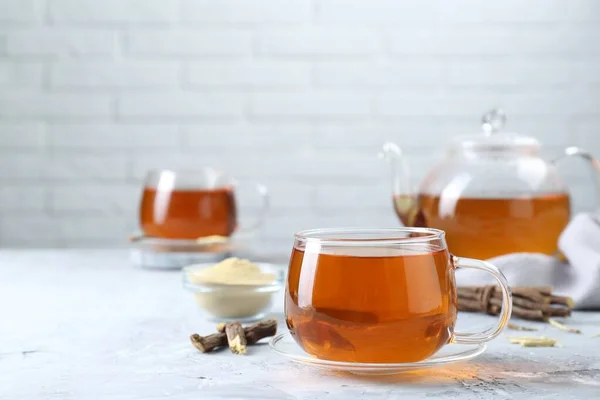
<point>40,105</point>
<point>299,94</point>
<point>318,42</point>
<point>249,75</point>
<point>20,74</point>
<point>242,11</point>
<point>112,137</point>
<point>186,43</point>
<point>89,12</point>
<point>25,11</point>
<point>102,75</point>
<point>48,41</point>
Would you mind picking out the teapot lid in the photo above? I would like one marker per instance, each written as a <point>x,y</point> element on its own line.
<point>493,137</point>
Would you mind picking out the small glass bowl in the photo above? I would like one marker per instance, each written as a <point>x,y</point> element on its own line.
<point>222,303</point>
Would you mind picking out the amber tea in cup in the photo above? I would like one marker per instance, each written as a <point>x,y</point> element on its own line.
<point>188,213</point>
<point>191,204</point>
<point>377,295</point>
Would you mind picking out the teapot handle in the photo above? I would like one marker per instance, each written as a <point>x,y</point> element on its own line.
<point>593,162</point>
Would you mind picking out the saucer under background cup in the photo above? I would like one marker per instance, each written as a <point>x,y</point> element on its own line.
<point>284,345</point>
<point>158,253</point>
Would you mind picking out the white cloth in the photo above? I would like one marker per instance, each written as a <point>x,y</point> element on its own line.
<point>579,279</point>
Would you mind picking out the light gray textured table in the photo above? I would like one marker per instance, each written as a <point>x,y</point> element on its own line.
<point>87,325</point>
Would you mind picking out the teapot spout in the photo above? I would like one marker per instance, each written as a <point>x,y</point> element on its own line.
<point>403,194</point>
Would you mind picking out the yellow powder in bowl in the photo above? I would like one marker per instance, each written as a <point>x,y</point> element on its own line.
<point>240,300</point>
<point>233,271</point>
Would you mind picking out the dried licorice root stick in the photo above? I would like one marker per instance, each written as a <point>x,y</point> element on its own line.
<point>532,315</point>
<point>256,332</point>
<point>236,338</point>
<point>261,330</point>
<point>210,342</point>
<point>562,300</point>
<point>532,303</point>
<point>546,309</point>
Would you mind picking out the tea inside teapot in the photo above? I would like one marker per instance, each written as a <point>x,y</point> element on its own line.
<point>488,227</point>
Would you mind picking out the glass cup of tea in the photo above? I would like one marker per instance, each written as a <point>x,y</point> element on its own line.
<point>378,295</point>
<point>193,204</point>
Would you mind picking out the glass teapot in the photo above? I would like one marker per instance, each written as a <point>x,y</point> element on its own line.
<point>493,194</point>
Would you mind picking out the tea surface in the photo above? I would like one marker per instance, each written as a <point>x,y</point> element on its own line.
<point>188,214</point>
<point>370,304</point>
<point>487,227</point>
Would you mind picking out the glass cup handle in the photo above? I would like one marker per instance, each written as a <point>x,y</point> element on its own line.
<point>490,333</point>
<point>263,192</point>
<point>594,164</point>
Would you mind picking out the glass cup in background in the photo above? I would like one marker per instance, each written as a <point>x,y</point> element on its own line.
<point>192,204</point>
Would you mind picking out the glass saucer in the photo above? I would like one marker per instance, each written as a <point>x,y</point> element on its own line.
<point>176,253</point>
<point>284,345</point>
